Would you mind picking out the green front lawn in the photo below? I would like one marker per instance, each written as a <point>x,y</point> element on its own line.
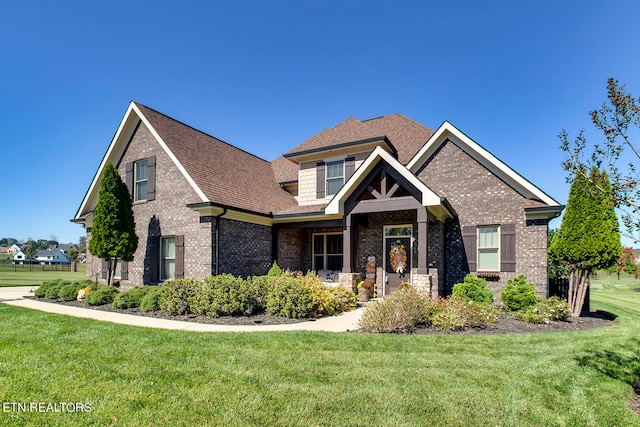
<point>136,376</point>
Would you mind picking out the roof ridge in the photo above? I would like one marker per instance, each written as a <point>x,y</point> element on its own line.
<point>199,131</point>
<point>383,116</point>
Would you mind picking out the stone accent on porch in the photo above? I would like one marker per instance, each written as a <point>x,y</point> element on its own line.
<point>349,280</point>
<point>422,283</point>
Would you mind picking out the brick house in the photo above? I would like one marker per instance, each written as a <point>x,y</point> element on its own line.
<point>386,195</point>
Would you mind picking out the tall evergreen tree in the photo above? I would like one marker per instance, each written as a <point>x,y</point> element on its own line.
<point>588,238</point>
<point>113,234</point>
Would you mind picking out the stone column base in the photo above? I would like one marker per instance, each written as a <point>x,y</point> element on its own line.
<point>349,280</point>
<point>422,283</point>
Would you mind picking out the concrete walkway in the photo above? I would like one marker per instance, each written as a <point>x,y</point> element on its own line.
<point>14,296</point>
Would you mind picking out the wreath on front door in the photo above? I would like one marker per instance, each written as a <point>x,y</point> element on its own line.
<point>398,257</point>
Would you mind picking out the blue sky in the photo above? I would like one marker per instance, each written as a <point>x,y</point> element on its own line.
<point>266,75</point>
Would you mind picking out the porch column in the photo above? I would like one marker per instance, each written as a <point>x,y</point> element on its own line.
<point>423,219</point>
<point>346,245</point>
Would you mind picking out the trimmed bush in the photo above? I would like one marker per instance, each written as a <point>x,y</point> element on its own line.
<point>70,292</point>
<point>518,295</point>
<point>302,297</point>
<point>398,312</point>
<point>345,298</point>
<point>545,311</point>
<point>51,289</point>
<point>179,295</point>
<point>473,289</point>
<point>131,298</point>
<point>226,295</point>
<point>455,313</point>
<point>275,270</point>
<point>151,301</point>
<point>103,295</point>
<point>289,298</point>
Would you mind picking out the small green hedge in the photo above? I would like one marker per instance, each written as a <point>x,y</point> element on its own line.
<point>51,289</point>
<point>518,294</point>
<point>151,301</point>
<point>179,295</point>
<point>131,298</point>
<point>103,295</point>
<point>473,289</point>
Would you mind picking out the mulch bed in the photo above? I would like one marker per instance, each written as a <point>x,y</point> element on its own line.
<point>506,324</point>
<point>259,318</point>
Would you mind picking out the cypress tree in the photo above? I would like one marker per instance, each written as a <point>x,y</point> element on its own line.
<point>113,234</point>
<point>589,237</point>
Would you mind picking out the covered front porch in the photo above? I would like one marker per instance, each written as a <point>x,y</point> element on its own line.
<point>391,231</point>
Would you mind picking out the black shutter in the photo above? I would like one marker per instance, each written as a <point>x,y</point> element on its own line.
<point>349,168</point>
<point>151,178</point>
<point>128,179</point>
<point>179,271</point>
<point>105,268</point>
<point>470,241</point>
<point>320,180</point>
<point>508,247</point>
<point>124,270</point>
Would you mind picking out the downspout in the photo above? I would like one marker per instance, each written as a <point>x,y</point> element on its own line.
<point>217,245</point>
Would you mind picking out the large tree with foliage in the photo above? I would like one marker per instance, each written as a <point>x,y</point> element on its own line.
<point>588,238</point>
<point>113,234</point>
<point>618,153</point>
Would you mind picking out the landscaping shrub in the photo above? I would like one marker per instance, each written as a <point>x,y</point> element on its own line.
<point>455,313</point>
<point>151,301</point>
<point>261,287</point>
<point>70,292</point>
<point>301,297</point>
<point>51,289</point>
<point>179,294</point>
<point>131,298</point>
<point>546,310</point>
<point>226,295</point>
<point>101,296</point>
<point>345,298</point>
<point>518,295</point>
<point>473,289</point>
<point>275,270</point>
<point>398,312</point>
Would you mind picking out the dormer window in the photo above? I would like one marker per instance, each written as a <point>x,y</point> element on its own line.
<point>335,177</point>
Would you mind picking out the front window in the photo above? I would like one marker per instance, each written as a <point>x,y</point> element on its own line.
<point>327,251</point>
<point>167,258</point>
<point>335,177</point>
<point>489,248</point>
<point>117,274</point>
<point>141,180</point>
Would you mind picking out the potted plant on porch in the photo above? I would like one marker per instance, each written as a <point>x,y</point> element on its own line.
<point>363,292</point>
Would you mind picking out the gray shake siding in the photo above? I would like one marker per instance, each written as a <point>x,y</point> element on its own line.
<point>480,198</point>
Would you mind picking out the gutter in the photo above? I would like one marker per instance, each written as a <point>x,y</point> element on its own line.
<point>217,234</point>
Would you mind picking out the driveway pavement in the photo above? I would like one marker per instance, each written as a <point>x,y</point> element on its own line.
<point>14,296</point>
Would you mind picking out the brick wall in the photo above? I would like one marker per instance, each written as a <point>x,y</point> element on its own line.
<point>480,198</point>
<point>167,215</point>
<point>245,248</point>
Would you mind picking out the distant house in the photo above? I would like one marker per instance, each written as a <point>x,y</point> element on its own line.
<point>66,247</point>
<point>385,198</point>
<point>19,257</point>
<point>14,249</point>
<point>51,256</point>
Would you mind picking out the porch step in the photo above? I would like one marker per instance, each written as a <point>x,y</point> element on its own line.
<point>364,304</point>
